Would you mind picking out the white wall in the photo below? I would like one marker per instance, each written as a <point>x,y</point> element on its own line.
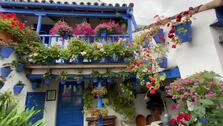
<point>201,53</point>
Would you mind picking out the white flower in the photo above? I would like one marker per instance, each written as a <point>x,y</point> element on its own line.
<point>99,45</point>
<point>83,53</point>
<point>35,54</point>
<point>30,60</point>
<point>102,50</point>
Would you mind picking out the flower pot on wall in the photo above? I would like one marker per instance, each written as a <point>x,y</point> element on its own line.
<point>20,67</point>
<point>17,89</point>
<point>184,31</point>
<point>80,59</point>
<point>5,71</point>
<point>159,36</point>
<point>5,52</point>
<point>47,81</point>
<point>163,62</point>
<point>35,85</point>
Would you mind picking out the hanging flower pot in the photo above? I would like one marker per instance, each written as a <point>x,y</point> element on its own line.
<point>159,36</point>
<point>95,80</point>
<point>79,81</point>
<point>18,88</point>
<point>20,67</point>
<point>5,71</point>
<point>35,85</point>
<point>63,82</point>
<point>184,31</point>
<point>5,52</point>
<point>163,62</point>
<point>47,81</point>
<point>109,80</point>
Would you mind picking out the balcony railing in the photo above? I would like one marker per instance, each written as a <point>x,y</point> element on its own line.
<point>50,40</point>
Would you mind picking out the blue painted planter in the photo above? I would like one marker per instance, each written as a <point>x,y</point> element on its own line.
<point>62,82</point>
<point>109,80</point>
<point>35,85</point>
<point>17,89</point>
<point>5,52</point>
<point>95,80</point>
<point>157,36</point>
<point>184,32</point>
<point>107,59</point>
<point>95,61</point>
<point>132,75</point>
<point>163,62</point>
<point>5,71</point>
<point>79,81</point>
<point>80,59</point>
<point>47,81</point>
<point>121,60</point>
<point>20,67</point>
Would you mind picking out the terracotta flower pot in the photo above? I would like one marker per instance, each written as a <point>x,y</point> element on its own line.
<point>6,38</point>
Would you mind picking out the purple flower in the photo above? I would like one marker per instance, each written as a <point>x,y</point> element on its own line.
<point>203,120</point>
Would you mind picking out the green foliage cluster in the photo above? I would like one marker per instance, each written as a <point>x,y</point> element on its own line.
<point>121,98</point>
<point>13,115</point>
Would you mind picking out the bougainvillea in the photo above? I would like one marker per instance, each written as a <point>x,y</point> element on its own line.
<point>61,28</point>
<point>109,27</point>
<point>83,29</point>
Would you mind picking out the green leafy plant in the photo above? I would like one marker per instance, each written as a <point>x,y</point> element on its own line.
<point>99,91</point>
<point>121,99</point>
<point>48,75</point>
<point>13,115</point>
<point>89,100</point>
<point>63,76</point>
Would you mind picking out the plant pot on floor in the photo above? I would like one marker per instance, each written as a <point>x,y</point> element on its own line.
<point>17,89</point>
<point>184,32</point>
<point>5,52</point>
<point>20,67</point>
<point>5,71</point>
<point>159,36</point>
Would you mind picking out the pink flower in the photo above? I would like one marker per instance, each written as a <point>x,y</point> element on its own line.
<point>175,106</point>
<point>83,29</point>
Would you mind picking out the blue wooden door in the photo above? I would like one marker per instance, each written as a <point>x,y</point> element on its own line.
<point>36,100</point>
<point>70,105</point>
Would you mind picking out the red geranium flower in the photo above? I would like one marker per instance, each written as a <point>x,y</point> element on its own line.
<point>174,46</point>
<point>187,117</point>
<point>149,86</point>
<point>152,92</point>
<point>162,38</point>
<point>173,122</point>
<point>21,26</point>
<point>180,116</point>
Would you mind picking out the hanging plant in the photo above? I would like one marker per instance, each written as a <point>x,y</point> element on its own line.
<point>99,91</point>
<point>20,67</point>
<point>61,28</point>
<point>108,28</point>
<point>48,77</point>
<point>184,31</point>
<point>83,29</point>
<point>18,87</point>
<point>63,77</point>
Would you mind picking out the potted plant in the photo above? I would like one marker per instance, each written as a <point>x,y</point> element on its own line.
<point>159,36</point>
<point>11,31</point>
<point>118,49</point>
<point>83,29</point>
<point>96,112</point>
<point>78,50</point>
<point>64,55</point>
<point>184,31</point>
<point>6,70</point>
<point>108,28</point>
<point>97,52</point>
<point>48,77</point>
<point>61,28</point>
<point>99,91</point>
<point>18,87</point>
<point>63,77</point>
<point>20,67</point>
<point>107,58</point>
